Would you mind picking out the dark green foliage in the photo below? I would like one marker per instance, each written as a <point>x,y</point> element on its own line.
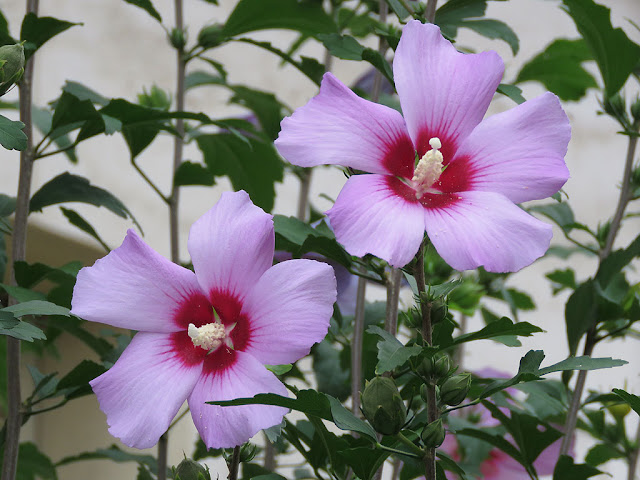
<point>148,6</point>
<point>36,31</point>
<point>11,135</point>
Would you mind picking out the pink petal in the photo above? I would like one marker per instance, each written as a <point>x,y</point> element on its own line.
<point>133,287</point>
<point>484,228</point>
<point>224,427</point>
<point>231,245</point>
<point>520,153</point>
<point>369,217</point>
<point>289,310</point>
<point>144,390</point>
<point>443,93</point>
<point>339,128</point>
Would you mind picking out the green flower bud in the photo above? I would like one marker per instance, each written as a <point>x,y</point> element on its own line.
<point>454,390</point>
<point>156,98</point>
<point>424,393</point>
<point>247,452</point>
<point>615,106</point>
<point>441,366</point>
<point>178,38</point>
<point>439,310</point>
<point>433,434</point>
<point>382,405</point>
<point>11,66</point>
<point>635,110</point>
<point>618,410</point>
<point>210,36</point>
<point>190,470</point>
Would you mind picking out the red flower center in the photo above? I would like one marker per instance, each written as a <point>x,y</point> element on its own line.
<point>198,310</point>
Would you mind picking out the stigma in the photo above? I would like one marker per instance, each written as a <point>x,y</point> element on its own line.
<point>429,168</point>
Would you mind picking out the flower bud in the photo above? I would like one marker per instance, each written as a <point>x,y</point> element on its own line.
<point>248,452</point>
<point>618,410</point>
<point>190,470</point>
<point>11,66</point>
<point>436,367</point>
<point>454,390</point>
<point>433,434</point>
<point>439,310</point>
<point>178,38</point>
<point>635,110</point>
<point>382,405</point>
<point>210,36</point>
<point>156,98</point>
<point>615,106</point>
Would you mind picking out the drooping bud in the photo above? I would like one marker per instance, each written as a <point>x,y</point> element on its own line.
<point>433,434</point>
<point>619,410</point>
<point>454,390</point>
<point>11,66</point>
<point>248,452</point>
<point>382,405</point>
<point>190,470</point>
<point>210,36</point>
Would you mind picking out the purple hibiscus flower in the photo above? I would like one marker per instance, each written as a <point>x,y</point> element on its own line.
<point>469,174</point>
<point>206,335</point>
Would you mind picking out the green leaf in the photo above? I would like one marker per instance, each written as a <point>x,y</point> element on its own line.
<point>33,464</point>
<point>42,120</point>
<point>345,420</point>
<point>76,382</point>
<point>567,470</point>
<point>146,5</point>
<point>332,378</point>
<point>632,400</point>
<point>560,213</point>
<point>36,307</point>
<point>30,275</point>
<point>253,15</point>
<point>19,329</point>
<point>309,402</point>
<point>602,453</point>
<point>72,113</point>
<point>501,327</point>
<point>189,173</point>
<point>36,31</point>
<point>511,91</point>
<point>199,78</point>
<point>279,369</point>
<point>7,205</point>
<point>365,462</point>
<point>563,278</point>
<point>559,68</point>
<point>494,29</point>
<point>580,314</point>
<point>615,54</point>
<point>114,454</point>
<point>254,168</point>
<point>391,352</point>
<point>11,135</point>
<point>77,220</point>
<point>82,92</point>
<point>582,363</point>
<point>5,36</point>
<point>22,294</point>
<point>264,105</point>
<point>342,46</point>
<point>615,262</point>
<point>73,188</point>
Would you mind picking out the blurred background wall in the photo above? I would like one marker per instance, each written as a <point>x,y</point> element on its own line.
<point>119,50</point>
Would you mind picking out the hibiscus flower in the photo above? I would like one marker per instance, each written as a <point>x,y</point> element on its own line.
<point>206,335</point>
<point>470,172</point>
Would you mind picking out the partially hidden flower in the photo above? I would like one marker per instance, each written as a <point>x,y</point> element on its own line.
<point>446,170</point>
<point>206,335</point>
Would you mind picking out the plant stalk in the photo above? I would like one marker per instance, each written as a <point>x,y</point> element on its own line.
<point>234,464</point>
<point>356,347</point>
<point>633,457</point>
<point>591,340</point>
<point>18,253</point>
<point>430,10</point>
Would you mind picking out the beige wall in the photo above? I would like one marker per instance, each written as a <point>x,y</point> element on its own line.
<point>120,50</point>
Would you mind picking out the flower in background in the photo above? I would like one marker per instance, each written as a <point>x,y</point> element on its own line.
<point>469,173</point>
<point>206,335</point>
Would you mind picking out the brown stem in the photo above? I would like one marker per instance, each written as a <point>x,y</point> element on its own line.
<point>633,457</point>
<point>356,347</point>
<point>19,248</point>
<point>430,11</point>
<point>269,455</point>
<point>303,195</point>
<point>591,340</point>
<point>234,464</point>
<point>393,296</point>
<point>382,48</point>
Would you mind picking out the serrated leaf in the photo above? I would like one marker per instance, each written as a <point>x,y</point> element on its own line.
<point>114,454</point>
<point>253,15</point>
<point>33,464</point>
<point>615,54</point>
<point>11,326</point>
<point>22,294</point>
<point>189,173</point>
<point>567,470</point>
<point>36,307</point>
<point>582,363</point>
<point>495,30</point>
<point>11,135</point>
<point>36,31</point>
<point>279,369</point>
<point>345,420</point>
<point>559,68</point>
<point>73,188</point>
<point>580,313</point>
<point>501,327</point>
<point>560,213</point>
<point>365,462</point>
<point>602,453</point>
<point>342,46</point>
<point>82,92</point>
<point>72,113</point>
<point>199,78</point>
<point>42,120</point>
<point>391,352</point>
<point>76,382</point>
<point>147,6</point>
<point>511,91</point>
<point>77,220</point>
<point>254,168</point>
<point>615,262</point>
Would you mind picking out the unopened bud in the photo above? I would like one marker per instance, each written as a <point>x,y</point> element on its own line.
<point>454,390</point>
<point>178,38</point>
<point>210,36</point>
<point>156,98</point>
<point>190,470</point>
<point>439,310</point>
<point>11,66</point>
<point>619,410</point>
<point>441,366</point>
<point>248,452</point>
<point>433,434</point>
<point>382,405</point>
<point>615,107</point>
<point>635,110</point>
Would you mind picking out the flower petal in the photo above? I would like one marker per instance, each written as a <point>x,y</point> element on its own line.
<point>144,390</point>
<point>224,427</point>
<point>133,287</point>
<point>231,245</point>
<point>484,228</point>
<point>443,93</point>
<point>289,310</point>
<point>520,152</point>
<point>369,217</point>
<point>337,127</point>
